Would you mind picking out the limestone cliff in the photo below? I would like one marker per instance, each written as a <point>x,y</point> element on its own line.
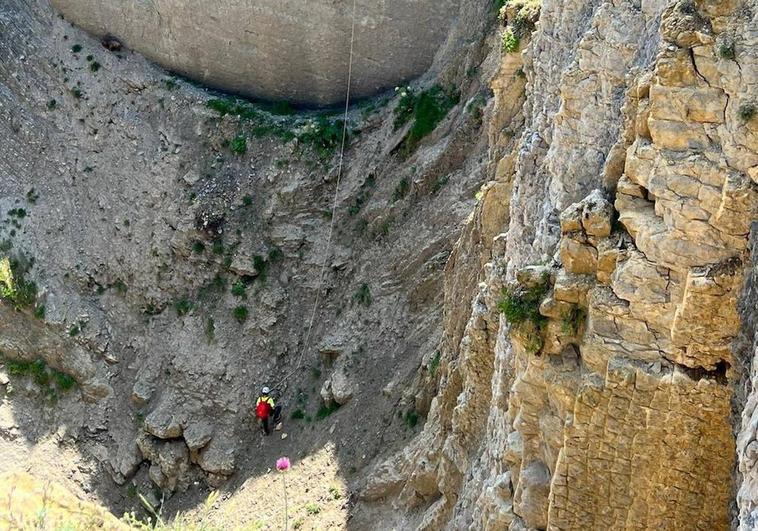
<point>556,276</point>
<point>593,385</point>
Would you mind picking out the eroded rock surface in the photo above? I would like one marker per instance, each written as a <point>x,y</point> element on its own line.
<point>278,49</point>
<point>609,406</point>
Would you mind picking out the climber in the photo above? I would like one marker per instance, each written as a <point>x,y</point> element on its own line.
<point>267,411</point>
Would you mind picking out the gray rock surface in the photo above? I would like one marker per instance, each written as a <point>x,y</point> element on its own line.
<point>291,50</point>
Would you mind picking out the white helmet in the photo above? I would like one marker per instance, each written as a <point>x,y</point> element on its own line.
<point>265,390</point>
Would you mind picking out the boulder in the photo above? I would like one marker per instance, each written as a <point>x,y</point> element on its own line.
<point>198,434</point>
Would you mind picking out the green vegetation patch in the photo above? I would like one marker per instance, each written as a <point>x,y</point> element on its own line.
<point>14,288</point>
<point>520,24</point>
<point>411,419</point>
<point>240,313</point>
<point>425,111</point>
<point>320,133</point>
<point>51,381</point>
<point>183,306</point>
<point>434,363</point>
<point>326,409</point>
<point>363,295</point>
<point>239,289</point>
<point>238,145</point>
<point>510,41</point>
<point>520,305</point>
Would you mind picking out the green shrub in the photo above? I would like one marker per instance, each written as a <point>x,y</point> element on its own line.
<point>238,145</point>
<point>240,314</point>
<point>411,419</point>
<point>77,93</point>
<point>726,50</point>
<point>312,508</point>
<point>275,254</point>
<point>510,41</point>
<point>76,48</point>
<point>434,363</point>
<point>429,109</point>
<point>326,410</point>
<point>383,229</point>
<point>94,66</point>
<point>247,200</point>
<point>527,13</point>
<point>238,289</point>
<point>14,287</point>
<point>74,330</point>
<point>323,136</point>
<point>183,306</point>
<point>335,492</point>
<point>298,414</point>
<point>747,111</point>
<point>198,247</point>
<point>439,184</point>
<point>520,304</point>
<point>52,104</point>
<point>363,295</point>
<point>39,312</point>
<point>63,380</point>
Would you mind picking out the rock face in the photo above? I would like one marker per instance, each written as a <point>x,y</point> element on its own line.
<point>595,391</point>
<point>277,49</point>
<point>179,276</point>
<point>599,325</point>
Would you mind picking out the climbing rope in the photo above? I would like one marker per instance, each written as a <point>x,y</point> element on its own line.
<point>317,302</point>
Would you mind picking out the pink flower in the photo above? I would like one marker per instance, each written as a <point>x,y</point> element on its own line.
<point>282,464</point>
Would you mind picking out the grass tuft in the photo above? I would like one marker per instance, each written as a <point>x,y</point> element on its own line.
<point>183,306</point>
<point>326,410</point>
<point>238,145</point>
<point>238,289</point>
<point>240,313</point>
<point>363,295</point>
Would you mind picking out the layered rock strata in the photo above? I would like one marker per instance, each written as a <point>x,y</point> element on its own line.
<point>601,397</point>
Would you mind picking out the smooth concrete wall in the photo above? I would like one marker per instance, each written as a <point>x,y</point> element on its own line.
<point>293,50</point>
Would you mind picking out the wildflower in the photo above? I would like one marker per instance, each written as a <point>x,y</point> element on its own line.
<point>282,464</point>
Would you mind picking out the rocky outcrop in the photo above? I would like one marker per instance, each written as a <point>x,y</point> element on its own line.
<point>592,387</point>
<point>278,49</point>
